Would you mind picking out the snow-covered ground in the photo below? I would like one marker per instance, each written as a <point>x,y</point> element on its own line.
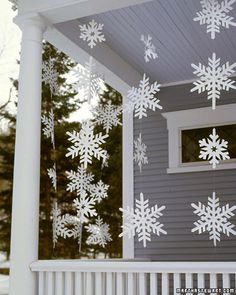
<point>4,285</point>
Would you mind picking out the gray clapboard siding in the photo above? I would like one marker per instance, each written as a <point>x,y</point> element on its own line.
<point>178,191</point>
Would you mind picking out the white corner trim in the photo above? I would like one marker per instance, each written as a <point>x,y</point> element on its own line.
<point>190,119</point>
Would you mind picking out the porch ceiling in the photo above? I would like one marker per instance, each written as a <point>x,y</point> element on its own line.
<point>179,40</point>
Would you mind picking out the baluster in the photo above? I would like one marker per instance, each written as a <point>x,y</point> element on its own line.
<point>41,283</point>
<point>50,286</point>
<point>188,281</point>
<point>89,286</point>
<point>226,282</point>
<point>177,283</point>
<point>142,284</point>
<point>59,283</point>
<point>130,283</point>
<point>119,284</point>
<point>68,283</point>
<point>200,280</point>
<point>213,281</point>
<point>165,284</point>
<point>153,284</point>
<point>109,284</point>
<point>78,284</point>
<point>98,284</point>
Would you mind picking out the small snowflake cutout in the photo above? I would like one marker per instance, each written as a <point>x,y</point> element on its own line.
<point>85,207</point>
<point>50,76</point>
<point>214,219</point>
<point>48,130</point>
<point>99,191</point>
<point>150,49</point>
<point>213,78</point>
<point>86,144</point>
<point>214,15</point>
<point>140,150</point>
<point>99,233</point>
<point>143,221</point>
<point>52,173</point>
<point>92,33</point>
<point>213,149</point>
<point>142,98</point>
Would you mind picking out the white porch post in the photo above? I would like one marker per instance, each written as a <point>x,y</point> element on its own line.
<point>25,211</point>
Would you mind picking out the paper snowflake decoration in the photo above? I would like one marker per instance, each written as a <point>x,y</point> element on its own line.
<point>213,78</point>
<point>50,76</point>
<point>108,116</point>
<point>214,219</point>
<point>142,98</point>
<point>52,173</point>
<point>143,220</point>
<point>99,233</point>
<point>150,49</point>
<point>75,227</point>
<point>99,191</point>
<point>79,181</point>
<point>214,15</point>
<point>92,33</point>
<point>48,130</point>
<point>85,207</point>
<point>88,81</point>
<point>86,144</point>
<point>140,150</point>
<point>213,149</point>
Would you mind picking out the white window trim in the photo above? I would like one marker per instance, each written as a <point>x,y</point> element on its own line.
<point>196,118</point>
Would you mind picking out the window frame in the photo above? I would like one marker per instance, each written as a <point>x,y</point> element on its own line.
<point>196,119</point>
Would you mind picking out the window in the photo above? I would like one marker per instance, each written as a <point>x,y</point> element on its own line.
<point>187,127</point>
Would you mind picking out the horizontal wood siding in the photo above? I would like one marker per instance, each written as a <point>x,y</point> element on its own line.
<point>178,191</point>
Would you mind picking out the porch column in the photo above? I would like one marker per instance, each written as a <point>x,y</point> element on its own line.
<point>25,210</point>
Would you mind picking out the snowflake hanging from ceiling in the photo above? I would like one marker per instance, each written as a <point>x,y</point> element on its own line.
<point>99,191</point>
<point>88,81</point>
<point>108,116</point>
<point>150,49</point>
<point>213,149</point>
<point>85,207</point>
<point>92,33</point>
<point>142,220</point>
<point>99,233</point>
<point>214,219</point>
<point>214,15</point>
<point>79,181</point>
<point>48,130</point>
<point>86,144</point>
<point>213,78</point>
<point>52,173</point>
<point>50,76</point>
<point>140,149</point>
<point>75,227</point>
<point>142,98</point>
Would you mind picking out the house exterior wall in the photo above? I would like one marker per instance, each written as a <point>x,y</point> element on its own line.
<point>178,191</point>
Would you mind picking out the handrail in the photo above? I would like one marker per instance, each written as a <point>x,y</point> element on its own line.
<point>133,266</point>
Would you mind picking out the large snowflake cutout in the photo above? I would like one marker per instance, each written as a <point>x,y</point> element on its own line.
<point>79,181</point>
<point>214,219</point>
<point>142,220</point>
<point>99,233</point>
<point>213,78</point>
<point>86,144</point>
<point>85,207</point>
<point>140,150</point>
<point>214,15</point>
<point>213,149</point>
<point>48,130</point>
<point>150,49</point>
<point>50,76</point>
<point>88,81</point>
<point>142,98</point>
<point>92,33</point>
<point>108,116</point>
<point>52,173</point>
<point>99,191</point>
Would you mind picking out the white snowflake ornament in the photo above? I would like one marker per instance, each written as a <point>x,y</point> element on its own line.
<point>86,144</point>
<point>92,33</point>
<point>142,98</point>
<point>99,191</point>
<point>108,116</point>
<point>50,76</point>
<point>79,181</point>
<point>99,233</point>
<point>150,49</point>
<point>140,149</point>
<point>213,149</point>
<point>52,173</point>
<point>143,221</point>
<point>85,207</point>
<point>48,130</point>
<point>213,78</point>
<point>214,15</point>
<point>214,219</point>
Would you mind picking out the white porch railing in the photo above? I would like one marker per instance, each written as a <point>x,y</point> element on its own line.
<point>133,278</point>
